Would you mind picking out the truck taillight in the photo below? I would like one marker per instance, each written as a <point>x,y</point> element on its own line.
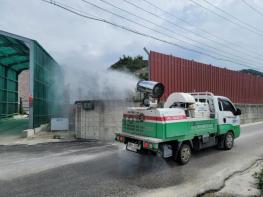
<point>147,145</point>
<point>120,138</point>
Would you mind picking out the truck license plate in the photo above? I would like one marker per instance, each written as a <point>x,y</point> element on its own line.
<point>133,147</point>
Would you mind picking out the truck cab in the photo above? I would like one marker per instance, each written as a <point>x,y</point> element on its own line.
<point>223,110</point>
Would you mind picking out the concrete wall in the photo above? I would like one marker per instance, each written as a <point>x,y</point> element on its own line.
<point>250,112</point>
<point>102,122</point>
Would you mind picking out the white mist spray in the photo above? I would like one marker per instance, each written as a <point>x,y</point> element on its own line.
<point>84,84</point>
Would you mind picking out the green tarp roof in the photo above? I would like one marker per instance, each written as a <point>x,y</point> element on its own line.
<point>14,54</point>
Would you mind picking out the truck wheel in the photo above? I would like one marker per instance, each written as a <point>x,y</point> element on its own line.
<point>184,154</point>
<point>228,141</point>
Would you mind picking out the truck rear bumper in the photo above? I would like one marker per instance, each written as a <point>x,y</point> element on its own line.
<point>141,138</point>
<point>142,141</point>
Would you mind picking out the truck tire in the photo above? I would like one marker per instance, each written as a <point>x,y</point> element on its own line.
<point>228,141</point>
<point>184,154</point>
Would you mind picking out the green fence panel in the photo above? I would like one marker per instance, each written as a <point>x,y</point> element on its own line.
<point>8,91</point>
<point>48,90</point>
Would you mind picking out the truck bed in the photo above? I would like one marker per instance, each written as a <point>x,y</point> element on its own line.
<point>167,130</point>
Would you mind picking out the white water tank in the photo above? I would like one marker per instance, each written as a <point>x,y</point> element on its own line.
<point>201,110</point>
<point>178,97</point>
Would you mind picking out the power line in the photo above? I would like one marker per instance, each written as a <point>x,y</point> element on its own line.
<point>170,30</point>
<point>92,17</point>
<point>212,47</point>
<point>203,30</point>
<point>252,7</point>
<point>231,15</point>
<point>240,24</point>
<point>160,17</point>
<point>171,43</point>
<point>178,18</point>
<point>139,24</point>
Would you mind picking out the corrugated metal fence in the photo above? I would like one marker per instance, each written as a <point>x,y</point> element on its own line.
<point>183,75</point>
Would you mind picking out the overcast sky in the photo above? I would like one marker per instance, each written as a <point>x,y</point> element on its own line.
<point>76,41</point>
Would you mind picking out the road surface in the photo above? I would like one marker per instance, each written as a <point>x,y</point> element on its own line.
<point>95,169</point>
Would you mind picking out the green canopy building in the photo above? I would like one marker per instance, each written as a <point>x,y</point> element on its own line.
<point>46,79</point>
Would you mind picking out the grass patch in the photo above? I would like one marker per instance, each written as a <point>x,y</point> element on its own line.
<point>11,126</point>
<point>259,178</point>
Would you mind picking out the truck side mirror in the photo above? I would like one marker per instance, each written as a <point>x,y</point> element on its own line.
<point>238,112</point>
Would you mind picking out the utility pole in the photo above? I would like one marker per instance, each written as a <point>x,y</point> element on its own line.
<point>148,53</point>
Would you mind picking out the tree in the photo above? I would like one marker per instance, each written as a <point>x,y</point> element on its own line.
<point>253,72</point>
<point>136,65</point>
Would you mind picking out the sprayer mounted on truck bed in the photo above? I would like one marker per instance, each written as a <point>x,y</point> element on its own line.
<point>186,122</point>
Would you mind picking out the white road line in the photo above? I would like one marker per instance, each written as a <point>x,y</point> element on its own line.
<point>251,124</point>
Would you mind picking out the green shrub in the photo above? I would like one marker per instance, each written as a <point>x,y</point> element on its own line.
<point>259,178</point>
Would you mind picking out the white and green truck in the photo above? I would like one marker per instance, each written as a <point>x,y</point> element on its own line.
<point>186,122</point>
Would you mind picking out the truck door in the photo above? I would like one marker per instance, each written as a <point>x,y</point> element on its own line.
<point>226,113</point>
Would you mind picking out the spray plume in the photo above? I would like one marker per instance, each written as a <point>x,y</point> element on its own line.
<point>83,84</point>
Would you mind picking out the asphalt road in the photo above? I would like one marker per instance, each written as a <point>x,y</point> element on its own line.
<point>95,169</point>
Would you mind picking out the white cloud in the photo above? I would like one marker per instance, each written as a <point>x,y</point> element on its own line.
<point>76,41</point>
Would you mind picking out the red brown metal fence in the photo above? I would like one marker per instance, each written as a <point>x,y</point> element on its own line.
<point>181,75</point>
